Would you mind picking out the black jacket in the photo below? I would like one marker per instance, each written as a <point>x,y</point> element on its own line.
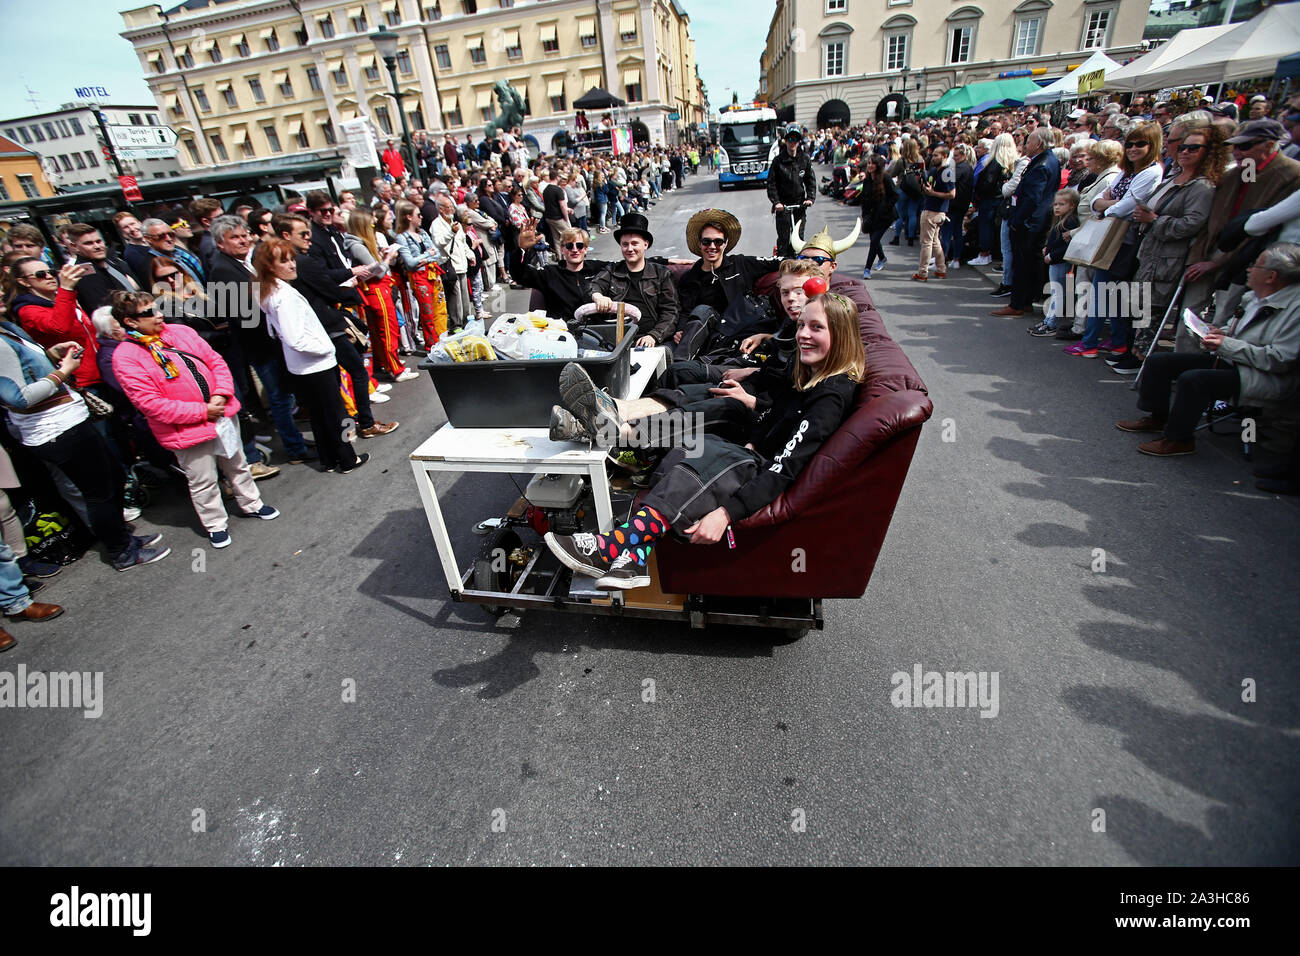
<point>878,215</point>
<point>965,182</point>
<point>737,273</point>
<point>789,435</point>
<point>989,184</point>
<point>234,301</point>
<point>790,180</point>
<point>320,274</point>
<point>97,287</point>
<point>657,301</point>
<point>563,290</point>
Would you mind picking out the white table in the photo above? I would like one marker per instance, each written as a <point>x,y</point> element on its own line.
<point>514,450</point>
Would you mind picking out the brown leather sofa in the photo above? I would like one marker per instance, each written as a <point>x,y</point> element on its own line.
<point>821,538</point>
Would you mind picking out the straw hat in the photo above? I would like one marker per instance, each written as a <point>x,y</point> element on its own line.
<point>718,219</point>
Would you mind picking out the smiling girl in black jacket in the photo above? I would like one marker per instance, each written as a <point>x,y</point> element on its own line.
<point>701,491</point>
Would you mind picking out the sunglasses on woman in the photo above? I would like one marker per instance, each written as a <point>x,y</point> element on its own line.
<point>43,274</point>
<point>167,276</point>
<point>1191,147</point>
<point>148,314</point>
<point>1136,145</point>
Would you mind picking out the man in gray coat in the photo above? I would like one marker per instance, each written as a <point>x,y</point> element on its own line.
<point>1254,361</point>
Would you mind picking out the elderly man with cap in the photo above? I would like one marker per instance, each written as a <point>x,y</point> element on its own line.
<point>792,188</point>
<point>715,283</point>
<point>647,285</point>
<point>1261,178</point>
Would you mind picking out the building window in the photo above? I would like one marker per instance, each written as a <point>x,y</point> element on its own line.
<point>151,119</point>
<point>36,131</point>
<point>301,36</point>
<point>589,39</point>
<point>959,45</point>
<point>12,135</point>
<point>273,42</point>
<point>219,147</point>
<point>313,79</point>
<point>26,136</point>
<point>416,116</point>
<point>340,75</point>
<point>514,49</point>
<point>433,12</point>
<point>242,47</point>
<point>186,60</point>
<point>404,62</point>
<point>286,89</point>
<point>200,97</point>
<point>507,4</point>
<point>326,26</point>
<point>628,36</point>
<point>384,120</point>
<point>303,141</point>
<point>79,160</point>
<point>359,24</point>
<point>372,72</point>
<point>91,159</point>
<point>214,53</point>
<point>476,53</point>
<point>193,151</point>
<point>837,6</point>
<point>834,59</point>
<point>1096,26</point>
<point>28,183</point>
<point>452,118</point>
<point>896,51</point>
<point>1027,31</point>
<point>66,163</point>
<point>75,124</point>
<point>633,91</point>
<point>558,104</point>
<point>551,46</point>
<point>255,87</point>
<point>63,127</point>
<point>158,66</point>
<point>392,16</point>
<point>272,138</point>
<point>246,148</point>
<point>442,56</point>
<point>49,128</point>
<point>4,193</point>
<point>327,129</point>
<point>469,6</point>
<point>228,94</point>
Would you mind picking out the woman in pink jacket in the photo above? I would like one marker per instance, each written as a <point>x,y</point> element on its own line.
<point>185,391</point>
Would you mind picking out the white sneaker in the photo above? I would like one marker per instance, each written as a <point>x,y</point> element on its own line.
<point>130,514</point>
<point>954,265</point>
<point>383,387</point>
<point>980,261</point>
<point>379,398</point>
<point>408,375</point>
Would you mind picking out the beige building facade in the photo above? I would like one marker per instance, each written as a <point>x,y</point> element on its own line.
<point>832,57</point>
<point>247,80</point>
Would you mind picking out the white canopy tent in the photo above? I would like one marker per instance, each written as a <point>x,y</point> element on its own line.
<point>1132,76</point>
<point>1248,50</point>
<point>1067,87</point>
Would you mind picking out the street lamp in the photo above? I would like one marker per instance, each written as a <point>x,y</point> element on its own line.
<point>386,43</point>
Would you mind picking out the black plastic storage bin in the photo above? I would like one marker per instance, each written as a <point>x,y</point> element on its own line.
<point>519,394</point>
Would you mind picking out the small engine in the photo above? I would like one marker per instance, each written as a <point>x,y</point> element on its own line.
<point>556,503</point>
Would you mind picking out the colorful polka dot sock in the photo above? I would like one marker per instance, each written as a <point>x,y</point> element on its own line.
<point>637,536</point>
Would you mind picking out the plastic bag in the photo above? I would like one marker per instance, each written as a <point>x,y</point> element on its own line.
<point>532,335</point>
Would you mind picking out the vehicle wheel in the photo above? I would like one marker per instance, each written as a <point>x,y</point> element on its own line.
<point>491,572</point>
<point>788,635</point>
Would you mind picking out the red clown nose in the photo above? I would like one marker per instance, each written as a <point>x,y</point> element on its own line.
<point>815,286</point>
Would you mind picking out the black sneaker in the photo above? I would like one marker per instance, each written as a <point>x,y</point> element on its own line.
<point>1068,335</point>
<point>1000,291</point>
<point>579,553</point>
<point>1126,364</point>
<point>33,568</point>
<point>361,460</point>
<point>141,557</point>
<point>1041,330</point>
<point>146,542</point>
<point>624,573</point>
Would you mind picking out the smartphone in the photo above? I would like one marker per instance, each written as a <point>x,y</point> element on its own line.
<point>79,352</point>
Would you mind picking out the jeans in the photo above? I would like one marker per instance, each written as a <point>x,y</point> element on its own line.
<point>598,215</point>
<point>273,375</point>
<point>1008,273</point>
<point>952,235</point>
<point>14,597</point>
<point>1097,315</point>
<point>1057,272</point>
<point>1199,383</point>
<point>696,331</point>
<point>909,217</point>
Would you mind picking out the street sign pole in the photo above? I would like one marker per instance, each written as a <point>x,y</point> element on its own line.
<point>108,140</point>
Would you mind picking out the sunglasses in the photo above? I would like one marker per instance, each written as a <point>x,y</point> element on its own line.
<point>574,246</point>
<point>1191,147</point>
<point>713,242</point>
<point>161,235</point>
<point>167,276</point>
<point>1136,145</point>
<point>150,314</point>
<point>820,260</point>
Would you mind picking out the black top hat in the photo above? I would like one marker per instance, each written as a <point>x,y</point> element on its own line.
<point>636,224</point>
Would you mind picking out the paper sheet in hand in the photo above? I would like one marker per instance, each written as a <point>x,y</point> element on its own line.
<point>1195,323</point>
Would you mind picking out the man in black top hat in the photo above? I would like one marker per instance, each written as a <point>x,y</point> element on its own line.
<point>646,285</point>
<point>792,187</point>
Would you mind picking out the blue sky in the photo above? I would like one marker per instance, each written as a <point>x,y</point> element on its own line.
<point>75,43</point>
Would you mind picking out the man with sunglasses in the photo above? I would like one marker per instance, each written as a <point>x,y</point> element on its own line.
<point>566,284</point>
<point>162,242</point>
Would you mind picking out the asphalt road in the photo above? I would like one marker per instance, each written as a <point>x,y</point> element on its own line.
<point>1119,691</point>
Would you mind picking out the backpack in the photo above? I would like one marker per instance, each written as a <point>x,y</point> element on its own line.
<point>910,182</point>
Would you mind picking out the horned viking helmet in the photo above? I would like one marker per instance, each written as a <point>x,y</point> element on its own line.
<point>823,240</point>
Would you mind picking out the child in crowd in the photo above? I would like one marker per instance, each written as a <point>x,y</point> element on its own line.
<point>1065,212</point>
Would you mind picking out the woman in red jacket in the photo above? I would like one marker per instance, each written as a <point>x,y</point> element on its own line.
<point>186,393</point>
<point>46,307</point>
